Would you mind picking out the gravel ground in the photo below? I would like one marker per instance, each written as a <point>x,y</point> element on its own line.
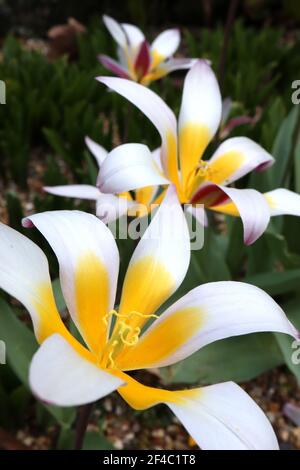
<point>158,428</point>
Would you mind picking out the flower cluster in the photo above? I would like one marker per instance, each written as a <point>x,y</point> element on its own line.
<point>138,332</point>
<point>202,183</point>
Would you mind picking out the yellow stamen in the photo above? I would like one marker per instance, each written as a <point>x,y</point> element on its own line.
<point>111,362</point>
<point>111,313</point>
<point>123,335</point>
<point>135,337</point>
<point>143,315</point>
<point>196,177</point>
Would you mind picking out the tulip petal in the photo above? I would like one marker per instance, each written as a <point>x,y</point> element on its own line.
<point>97,150</point>
<point>142,61</point>
<point>235,158</point>
<point>116,30</point>
<point>199,213</point>
<point>79,191</point>
<point>224,417</point>
<point>281,201</point>
<point>156,155</point>
<point>159,262</point>
<point>89,262</point>
<point>125,61</point>
<point>218,417</point>
<point>110,207</point>
<point>248,203</point>
<point>113,66</point>
<point>128,167</point>
<point>178,64</point>
<point>200,115</point>
<point>24,274</point>
<point>167,67</point>
<point>226,109</point>
<point>146,195</point>
<point>208,313</point>
<point>60,376</point>
<point>165,45</point>
<point>157,112</point>
<point>135,37</point>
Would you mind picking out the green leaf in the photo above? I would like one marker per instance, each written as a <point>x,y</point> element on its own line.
<point>282,149</point>
<point>5,418</point>
<point>14,210</point>
<point>55,142</point>
<point>53,175</point>
<point>271,121</point>
<point>20,347</point>
<point>279,249</point>
<point>59,298</point>
<point>270,252</point>
<point>239,359</point>
<point>63,416</point>
<point>297,165</point>
<point>66,439</point>
<point>208,264</point>
<point>291,227</point>
<point>259,257</point>
<point>92,168</point>
<point>96,441</point>
<point>285,342</point>
<point>275,283</point>
<point>236,248</point>
<point>19,400</point>
<point>20,341</point>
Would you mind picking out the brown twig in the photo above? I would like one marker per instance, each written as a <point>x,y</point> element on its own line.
<point>84,413</point>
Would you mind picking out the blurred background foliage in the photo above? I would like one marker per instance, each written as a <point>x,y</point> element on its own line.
<point>53,103</point>
<point>34,17</point>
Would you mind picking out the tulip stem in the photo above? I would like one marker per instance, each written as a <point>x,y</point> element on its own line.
<point>83,416</point>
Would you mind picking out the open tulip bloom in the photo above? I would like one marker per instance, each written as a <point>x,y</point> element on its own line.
<point>110,207</point>
<point>138,60</point>
<point>199,182</point>
<point>117,339</point>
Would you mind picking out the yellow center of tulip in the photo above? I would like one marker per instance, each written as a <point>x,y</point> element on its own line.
<point>196,178</point>
<point>123,335</point>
